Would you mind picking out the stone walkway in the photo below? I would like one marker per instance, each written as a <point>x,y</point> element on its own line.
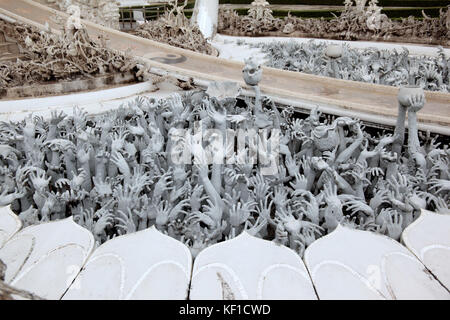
<point>58,260</point>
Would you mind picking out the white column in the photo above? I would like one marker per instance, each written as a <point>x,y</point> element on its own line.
<point>206,14</point>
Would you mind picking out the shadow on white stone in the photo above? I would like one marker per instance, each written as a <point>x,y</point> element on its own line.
<point>355,264</point>
<point>143,265</point>
<point>247,267</point>
<point>10,224</point>
<point>429,239</point>
<point>44,259</point>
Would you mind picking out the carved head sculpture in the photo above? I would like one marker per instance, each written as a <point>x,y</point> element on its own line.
<point>376,66</point>
<point>325,137</point>
<point>74,10</point>
<point>333,51</point>
<point>73,22</point>
<point>288,28</point>
<point>252,72</point>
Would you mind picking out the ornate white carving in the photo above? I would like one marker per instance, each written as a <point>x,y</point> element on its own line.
<point>142,265</point>
<point>44,259</point>
<point>429,239</point>
<point>355,264</point>
<point>10,224</point>
<point>247,267</point>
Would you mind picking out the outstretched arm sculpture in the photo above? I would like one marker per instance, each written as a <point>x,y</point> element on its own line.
<point>117,173</point>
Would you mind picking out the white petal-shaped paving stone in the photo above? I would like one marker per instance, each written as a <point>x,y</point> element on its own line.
<point>429,239</point>
<point>247,267</point>
<point>44,259</point>
<point>143,265</point>
<point>10,224</point>
<point>355,264</point>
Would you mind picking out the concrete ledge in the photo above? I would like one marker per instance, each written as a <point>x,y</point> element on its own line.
<point>93,102</point>
<point>63,87</point>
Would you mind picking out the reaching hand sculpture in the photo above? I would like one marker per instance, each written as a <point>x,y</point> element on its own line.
<point>393,68</point>
<point>114,172</point>
<point>416,103</point>
<point>252,73</point>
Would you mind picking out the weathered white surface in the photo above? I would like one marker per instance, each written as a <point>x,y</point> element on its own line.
<point>429,239</point>
<point>142,265</point>
<point>10,224</point>
<point>249,268</point>
<point>44,259</point>
<point>206,15</point>
<point>354,264</point>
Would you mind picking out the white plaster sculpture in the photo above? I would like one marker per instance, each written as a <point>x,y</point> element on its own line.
<point>205,15</point>
<point>103,12</point>
<point>250,268</point>
<point>204,166</point>
<point>175,29</point>
<point>45,259</point>
<point>429,239</point>
<point>73,23</point>
<point>43,51</point>
<point>259,20</point>
<point>259,10</point>
<point>333,52</point>
<point>140,266</point>
<point>375,18</point>
<point>357,21</point>
<point>352,264</point>
<point>370,65</point>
